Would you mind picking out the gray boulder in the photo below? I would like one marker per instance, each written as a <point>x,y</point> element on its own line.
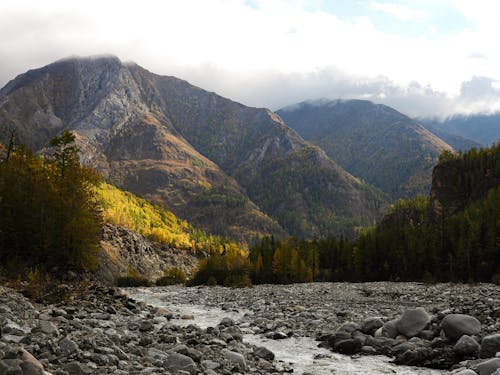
<point>179,362</point>
<point>466,372</point>
<point>466,345</point>
<point>455,326</point>
<point>389,329</point>
<point>488,367</point>
<point>263,352</point>
<point>490,345</point>
<point>237,359</point>
<point>370,325</point>
<point>67,346</point>
<point>413,321</point>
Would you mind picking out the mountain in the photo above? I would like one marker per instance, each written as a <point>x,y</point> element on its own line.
<point>227,168</point>
<point>481,128</point>
<point>456,141</point>
<point>372,141</point>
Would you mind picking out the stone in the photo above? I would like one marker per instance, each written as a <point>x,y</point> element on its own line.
<point>264,353</point>
<point>210,365</point>
<point>30,365</point>
<point>455,326</point>
<point>48,328</point>
<point>349,346</point>
<point>236,358</point>
<point>370,325</point>
<point>413,321</point>
<point>466,372</point>
<point>466,346</point>
<point>389,329</point>
<point>77,368</point>
<point>350,327</point>
<point>490,345</point>
<point>226,321</point>
<point>179,362</point>
<point>488,367</point>
<point>146,325</point>
<point>68,346</point>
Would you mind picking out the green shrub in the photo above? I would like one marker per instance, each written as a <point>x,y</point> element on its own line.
<point>172,276</point>
<point>232,269</point>
<point>132,279</point>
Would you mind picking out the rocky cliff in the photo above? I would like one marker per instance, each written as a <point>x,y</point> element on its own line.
<point>123,249</point>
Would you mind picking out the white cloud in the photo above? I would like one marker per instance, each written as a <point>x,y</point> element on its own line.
<point>400,11</point>
<point>270,54</point>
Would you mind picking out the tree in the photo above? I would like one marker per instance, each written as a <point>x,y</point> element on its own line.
<point>49,215</point>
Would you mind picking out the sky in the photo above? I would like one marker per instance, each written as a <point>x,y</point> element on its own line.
<point>431,58</point>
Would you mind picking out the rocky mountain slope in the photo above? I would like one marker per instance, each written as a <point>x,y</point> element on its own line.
<point>374,142</point>
<point>227,168</point>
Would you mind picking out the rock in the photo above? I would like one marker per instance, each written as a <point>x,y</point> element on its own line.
<point>350,327</point>
<point>389,329</point>
<point>226,321</point>
<point>237,359</point>
<point>490,345</point>
<point>263,352</point>
<point>67,346</point>
<point>48,328</point>
<point>279,335</point>
<point>413,321</point>
<point>370,325</point>
<point>210,365</point>
<point>414,357</point>
<point>349,346</point>
<point>466,372</point>
<point>179,362</point>
<point>488,367</point>
<point>194,354</point>
<point>466,346</point>
<point>456,325</point>
<point>77,368</point>
<point>30,365</point>
<point>146,325</point>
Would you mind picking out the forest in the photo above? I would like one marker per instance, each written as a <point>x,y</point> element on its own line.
<point>456,239</point>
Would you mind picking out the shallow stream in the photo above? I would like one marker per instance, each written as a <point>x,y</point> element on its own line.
<point>302,352</point>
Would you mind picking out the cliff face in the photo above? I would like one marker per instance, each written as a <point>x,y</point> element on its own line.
<point>227,168</point>
<point>123,249</point>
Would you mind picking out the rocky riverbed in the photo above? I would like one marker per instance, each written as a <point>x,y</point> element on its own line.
<point>265,329</point>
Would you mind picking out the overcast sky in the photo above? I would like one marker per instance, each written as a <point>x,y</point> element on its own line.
<point>424,57</point>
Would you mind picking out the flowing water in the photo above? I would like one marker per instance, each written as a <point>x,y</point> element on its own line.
<point>302,352</point>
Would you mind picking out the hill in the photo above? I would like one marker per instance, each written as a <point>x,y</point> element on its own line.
<point>229,169</point>
<point>373,142</point>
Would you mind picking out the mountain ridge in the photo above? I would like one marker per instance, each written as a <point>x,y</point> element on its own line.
<point>205,157</point>
<point>372,141</point>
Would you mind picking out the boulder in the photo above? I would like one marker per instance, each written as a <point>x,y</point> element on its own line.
<point>179,362</point>
<point>236,358</point>
<point>348,346</point>
<point>413,321</point>
<point>349,327</point>
<point>466,372</point>
<point>262,352</point>
<point>67,346</point>
<point>488,367</point>
<point>455,326</point>
<point>389,329</point>
<point>490,345</point>
<point>466,346</point>
<point>370,325</point>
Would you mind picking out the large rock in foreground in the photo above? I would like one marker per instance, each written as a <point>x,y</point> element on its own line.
<point>413,321</point>
<point>455,326</point>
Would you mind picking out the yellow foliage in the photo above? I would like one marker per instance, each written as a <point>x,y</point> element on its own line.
<point>127,210</point>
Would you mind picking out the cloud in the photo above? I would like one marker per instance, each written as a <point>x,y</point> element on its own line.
<point>265,52</point>
<point>400,11</point>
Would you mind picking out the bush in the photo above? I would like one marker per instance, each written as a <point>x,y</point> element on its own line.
<point>172,276</point>
<point>132,279</point>
<point>496,279</point>
<point>231,269</point>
